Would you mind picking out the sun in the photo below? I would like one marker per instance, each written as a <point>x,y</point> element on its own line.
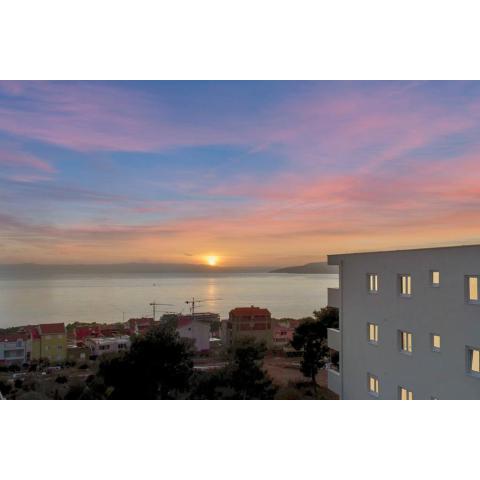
<point>212,260</point>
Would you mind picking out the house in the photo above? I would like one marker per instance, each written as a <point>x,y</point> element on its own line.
<point>139,326</point>
<point>78,353</point>
<point>409,324</point>
<point>46,341</point>
<point>13,349</point>
<point>101,345</point>
<point>53,342</point>
<point>283,334</point>
<point>84,331</point>
<point>196,328</point>
<point>251,322</point>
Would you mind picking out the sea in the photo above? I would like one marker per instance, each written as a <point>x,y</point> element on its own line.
<point>109,298</point>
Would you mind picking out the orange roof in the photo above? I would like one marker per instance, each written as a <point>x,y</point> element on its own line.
<point>51,328</point>
<point>252,311</point>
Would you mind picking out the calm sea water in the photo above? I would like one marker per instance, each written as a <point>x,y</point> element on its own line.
<point>86,298</point>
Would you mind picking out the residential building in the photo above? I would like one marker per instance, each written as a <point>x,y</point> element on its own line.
<point>139,326</point>
<point>85,331</point>
<point>253,322</point>
<point>197,329</point>
<point>78,353</point>
<point>283,333</point>
<point>101,345</point>
<point>13,349</point>
<point>46,341</point>
<point>409,324</point>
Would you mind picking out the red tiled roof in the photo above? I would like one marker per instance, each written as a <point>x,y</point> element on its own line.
<point>33,331</point>
<point>12,337</point>
<point>252,311</point>
<point>51,328</point>
<point>86,331</point>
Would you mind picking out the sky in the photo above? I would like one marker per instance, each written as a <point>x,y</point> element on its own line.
<point>256,173</point>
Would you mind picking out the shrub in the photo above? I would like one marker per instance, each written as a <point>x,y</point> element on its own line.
<point>61,379</point>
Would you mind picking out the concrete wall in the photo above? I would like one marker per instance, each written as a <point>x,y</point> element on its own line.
<point>442,310</point>
<point>199,331</point>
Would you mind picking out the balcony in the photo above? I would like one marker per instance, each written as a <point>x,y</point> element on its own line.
<point>334,379</point>
<point>334,297</point>
<point>333,339</point>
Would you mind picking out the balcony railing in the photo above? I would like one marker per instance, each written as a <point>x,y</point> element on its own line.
<point>333,339</point>
<point>334,381</point>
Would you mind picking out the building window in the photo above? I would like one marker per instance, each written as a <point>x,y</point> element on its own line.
<point>373,385</point>
<point>405,394</point>
<point>373,333</point>
<point>472,288</point>
<point>372,282</point>
<point>435,278</point>
<point>406,342</point>
<point>436,342</point>
<point>473,361</point>
<point>406,285</point>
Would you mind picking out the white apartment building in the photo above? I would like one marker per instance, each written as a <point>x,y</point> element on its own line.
<point>102,345</point>
<point>409,324</point>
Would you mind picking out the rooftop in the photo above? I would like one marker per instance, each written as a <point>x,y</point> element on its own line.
<point>333,258</point>
<point>51,328</point>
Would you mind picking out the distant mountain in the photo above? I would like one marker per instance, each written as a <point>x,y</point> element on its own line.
<point>33,268</point>
<point>316,267</point>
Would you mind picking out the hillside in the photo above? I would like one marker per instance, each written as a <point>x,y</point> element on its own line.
<point>316,267</point>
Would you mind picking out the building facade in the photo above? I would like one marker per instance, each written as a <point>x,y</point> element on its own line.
<point>13,349</point>
<point>409,324</point>
<point>197,329</point>
<point>253,322</point>
<point>101,345</point>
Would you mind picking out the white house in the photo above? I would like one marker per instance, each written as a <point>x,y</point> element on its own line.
<point>102,345</point>
<point>12,349</point>
<point>197,329</point>
<point>409,324</point>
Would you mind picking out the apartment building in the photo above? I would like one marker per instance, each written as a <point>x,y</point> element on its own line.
<point>409,324</point>
<point>252,322</point>
<point>101,345</point>
<point>13,349</point>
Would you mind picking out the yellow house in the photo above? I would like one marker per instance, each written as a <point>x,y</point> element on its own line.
<point>48,341</point>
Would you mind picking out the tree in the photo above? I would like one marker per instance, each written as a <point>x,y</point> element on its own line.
<point>311,337</point>
<point>242,379</point>
<point>328,316</point>
<point>158,365</point>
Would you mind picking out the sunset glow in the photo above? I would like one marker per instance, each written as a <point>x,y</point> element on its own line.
<point>212,260</point>
<point>268,173</point>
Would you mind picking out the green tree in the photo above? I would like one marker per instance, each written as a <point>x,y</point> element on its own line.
<point>309,337</point>
<point>243,378</point>
<point>158,365</point>
<point>328,316</point>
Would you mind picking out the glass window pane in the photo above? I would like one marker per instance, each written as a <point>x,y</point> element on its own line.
<point>473,288</point>
<point>436,341</point>
<point>475,367</point>
<point>435,278</point>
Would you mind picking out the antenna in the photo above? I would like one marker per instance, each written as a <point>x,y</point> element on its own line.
<point>193,302</point>
<point>155,304</point>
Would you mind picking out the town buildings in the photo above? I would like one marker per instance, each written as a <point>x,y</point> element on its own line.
<point>409,324</point>
<point>99,346</point>
<point>253,322</point>
<point>13,349</point>
<point>197,329</point>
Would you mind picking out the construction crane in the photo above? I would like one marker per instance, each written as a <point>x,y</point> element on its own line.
<point>155,304</point>
<point>193,302</point>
